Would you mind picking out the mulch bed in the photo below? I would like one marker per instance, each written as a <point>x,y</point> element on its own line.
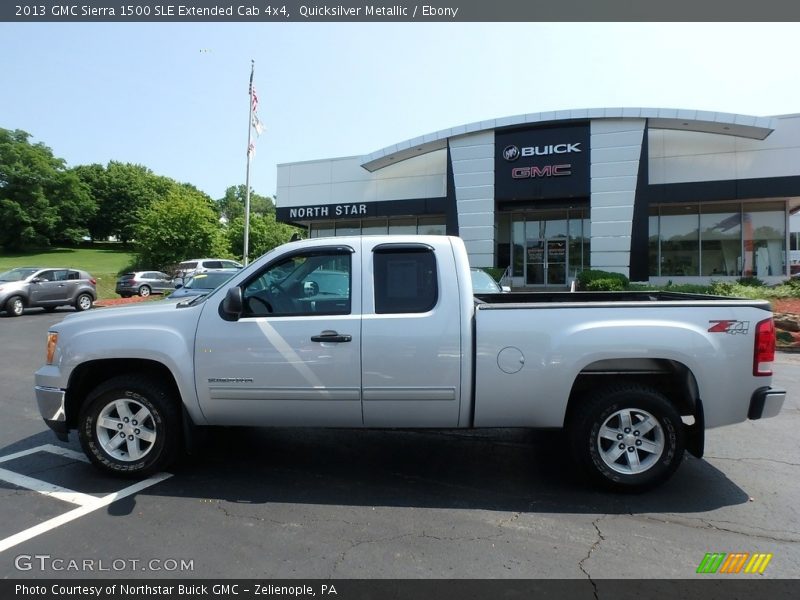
<point>787,305</point>
<point>120,301</point>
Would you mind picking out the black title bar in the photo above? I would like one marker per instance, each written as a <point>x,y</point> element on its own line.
<point>266,11</point>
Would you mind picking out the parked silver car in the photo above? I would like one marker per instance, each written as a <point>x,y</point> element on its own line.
<point>29,287</point>
<point>144,283</point>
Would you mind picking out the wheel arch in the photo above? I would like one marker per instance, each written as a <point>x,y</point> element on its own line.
<point>91,374</point>
<point>672,378</point>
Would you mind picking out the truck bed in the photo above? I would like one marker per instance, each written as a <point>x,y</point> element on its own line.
<point>626,299</point>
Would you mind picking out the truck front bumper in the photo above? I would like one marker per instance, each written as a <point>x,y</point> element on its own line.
<point>766,402</point>
<point>52,409</point>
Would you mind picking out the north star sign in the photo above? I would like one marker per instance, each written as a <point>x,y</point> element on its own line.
<point>327,211</point>
<point>542,163</point>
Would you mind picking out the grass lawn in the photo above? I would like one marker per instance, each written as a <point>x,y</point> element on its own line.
<point>103,261</point>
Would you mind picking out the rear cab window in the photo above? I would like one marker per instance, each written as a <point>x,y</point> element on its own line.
<point>405,278</point>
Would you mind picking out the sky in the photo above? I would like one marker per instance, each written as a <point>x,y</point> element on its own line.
<point>174,96</point>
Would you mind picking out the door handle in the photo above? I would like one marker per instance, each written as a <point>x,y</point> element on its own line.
<point>331,336</point>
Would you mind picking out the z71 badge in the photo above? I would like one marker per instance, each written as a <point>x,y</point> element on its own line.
<point>729,326</point>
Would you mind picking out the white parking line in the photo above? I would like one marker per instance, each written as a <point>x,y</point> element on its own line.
<point>87,502</point>
<point>48,489</point>
<point>52,449</point>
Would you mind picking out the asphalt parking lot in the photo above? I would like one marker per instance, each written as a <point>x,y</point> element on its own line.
<point>386,504</point>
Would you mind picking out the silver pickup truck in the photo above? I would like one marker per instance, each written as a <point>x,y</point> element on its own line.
<point>385,332</point>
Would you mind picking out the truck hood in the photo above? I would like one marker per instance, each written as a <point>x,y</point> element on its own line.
<point>145,314</point>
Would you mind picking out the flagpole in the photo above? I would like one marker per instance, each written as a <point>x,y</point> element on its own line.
<point>247,177</point>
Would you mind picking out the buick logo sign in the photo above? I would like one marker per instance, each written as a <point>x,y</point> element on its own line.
<point>511,153</point>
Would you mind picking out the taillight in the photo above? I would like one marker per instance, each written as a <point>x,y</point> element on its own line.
<point>764,351</point>
<point>92,280</point>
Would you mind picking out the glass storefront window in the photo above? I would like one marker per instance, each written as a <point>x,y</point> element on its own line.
<point>322,230</point>
<point>735,239</point>
<point>518,245</point>
<point>764,239</point>
<point>399,226</point>
<point>680,244</point>
<point>374,227</point>
<point>721,240</point>
<point>348,228</point>
<point>431,226</point>
<point>652,242</point>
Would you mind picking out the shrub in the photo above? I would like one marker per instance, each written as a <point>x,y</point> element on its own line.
<point>606,284</point>
<point>587,278</point>
<point>750,282</point>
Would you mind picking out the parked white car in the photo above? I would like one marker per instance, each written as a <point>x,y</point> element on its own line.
<point>200,265</point>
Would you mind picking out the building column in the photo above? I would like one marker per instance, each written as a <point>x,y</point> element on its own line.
<point>472,158</point>
<point>616,149</point>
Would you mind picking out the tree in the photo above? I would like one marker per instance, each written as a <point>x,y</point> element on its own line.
<point>41,202</point>
<point>122,192</point>
<point>178,226</point>
<point>232,205</point>
<point>265,234</point>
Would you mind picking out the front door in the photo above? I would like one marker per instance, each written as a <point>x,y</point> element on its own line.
<point>546,262</point>
<point>50,287</point>
<point>294,356</point>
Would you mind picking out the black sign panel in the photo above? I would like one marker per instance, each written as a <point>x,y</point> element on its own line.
<point>542,163</point>
<point>361,210</point>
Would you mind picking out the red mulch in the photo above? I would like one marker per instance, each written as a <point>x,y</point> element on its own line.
<point>119,301</point>
<point>787,305</point>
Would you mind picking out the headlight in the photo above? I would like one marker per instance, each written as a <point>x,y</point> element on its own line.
<point>52,342</point>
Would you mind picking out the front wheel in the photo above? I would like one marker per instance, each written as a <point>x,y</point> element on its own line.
<point>83,302</point>
<point>15,306</point>
<point>629,438</point>
<point>130,426</point>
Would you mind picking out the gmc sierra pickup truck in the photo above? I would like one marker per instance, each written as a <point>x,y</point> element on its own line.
<point>385,332</point>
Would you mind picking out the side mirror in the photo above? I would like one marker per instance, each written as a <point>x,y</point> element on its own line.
<point>178,286</point>
<point>233,305</point>
<point>37,280</point>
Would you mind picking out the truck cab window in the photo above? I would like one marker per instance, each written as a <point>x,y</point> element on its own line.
<point>405,280</point>
<point>303,284</point>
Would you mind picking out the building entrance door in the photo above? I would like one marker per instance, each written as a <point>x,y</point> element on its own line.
<point>546,262</point>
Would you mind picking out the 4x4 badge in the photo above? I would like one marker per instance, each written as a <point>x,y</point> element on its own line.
<point>729,326</point>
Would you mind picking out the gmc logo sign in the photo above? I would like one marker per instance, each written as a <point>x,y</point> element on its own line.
<point>544,171</point>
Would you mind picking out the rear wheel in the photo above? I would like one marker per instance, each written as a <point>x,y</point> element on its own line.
<point>83,302</point>
<point>15,306</point>
<point>130,426</point>
<point>629,438</point>
<point>144,291</point>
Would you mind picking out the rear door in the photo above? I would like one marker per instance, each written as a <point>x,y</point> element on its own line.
<point>294,356</point>
<point>411,331</point>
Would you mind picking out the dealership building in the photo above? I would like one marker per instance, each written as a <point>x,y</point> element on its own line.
<point>657,194</point>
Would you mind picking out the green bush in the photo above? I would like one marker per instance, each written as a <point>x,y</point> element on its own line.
<point>750,282</point>
<point>607,284</point>
<point>587,280</point>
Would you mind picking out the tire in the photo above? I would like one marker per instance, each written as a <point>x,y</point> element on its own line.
<point>629,438</point>
<point>125,295</point>
<point>144,291</point>
<point>149,445</point>
<point>83,302</point>
<point>15,306</point>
